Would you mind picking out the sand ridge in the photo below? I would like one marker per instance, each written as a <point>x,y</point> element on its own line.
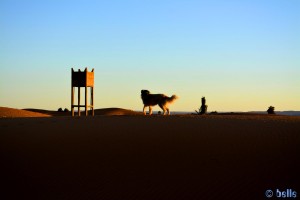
<point>12,112</point>
<point>6,112</point>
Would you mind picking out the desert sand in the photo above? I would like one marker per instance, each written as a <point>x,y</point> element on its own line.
<point>120,154</point>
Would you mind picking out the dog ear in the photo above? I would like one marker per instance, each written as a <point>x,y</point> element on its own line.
<point>145,92</point>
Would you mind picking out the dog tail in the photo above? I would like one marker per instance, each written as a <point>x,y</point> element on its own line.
<point>172,98</point>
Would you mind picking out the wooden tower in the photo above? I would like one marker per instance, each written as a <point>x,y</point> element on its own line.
<point>82,79</point>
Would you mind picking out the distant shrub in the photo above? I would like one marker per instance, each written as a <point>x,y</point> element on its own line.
<point>271,110</point>
<point>66,110</point>
<point>60,110</point>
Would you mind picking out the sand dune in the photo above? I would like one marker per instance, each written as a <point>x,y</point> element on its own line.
<point>148,157</point>
<point>31,112</point>
<point>12,112</point>
<point>48,112</point>
<point>116,111</point>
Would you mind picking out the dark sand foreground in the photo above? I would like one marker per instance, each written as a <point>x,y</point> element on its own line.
<point>142,157</point>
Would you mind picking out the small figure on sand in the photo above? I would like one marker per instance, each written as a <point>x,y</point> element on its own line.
<point>203,108</point>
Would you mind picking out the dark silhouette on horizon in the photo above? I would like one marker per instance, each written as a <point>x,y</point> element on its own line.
<point>271,110</point>
<point>63,110</point>
<point>162,100</point>
<point>83,79</point>
<point>203,109</point>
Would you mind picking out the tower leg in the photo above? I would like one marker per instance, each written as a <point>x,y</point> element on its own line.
<point>92,100</point>
<point>72,100</point>
<point>78,101</point>
<point>85,102</point>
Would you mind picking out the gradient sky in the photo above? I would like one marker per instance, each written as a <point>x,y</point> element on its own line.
<point>241,55</point>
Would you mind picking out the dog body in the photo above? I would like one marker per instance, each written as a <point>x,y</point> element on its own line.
<point>162,100</point>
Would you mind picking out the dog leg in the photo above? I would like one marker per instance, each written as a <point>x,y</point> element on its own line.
<point>164,109</point>
<point>144,110</point>
<point>168,111</point>
<point>150,110</point>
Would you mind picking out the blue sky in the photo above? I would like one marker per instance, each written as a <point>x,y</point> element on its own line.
<point>240,55</point>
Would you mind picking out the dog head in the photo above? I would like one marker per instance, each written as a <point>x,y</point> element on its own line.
<point>144,93</point>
